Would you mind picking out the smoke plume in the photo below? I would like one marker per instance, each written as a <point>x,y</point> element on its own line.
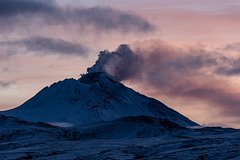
<point>123,63</point>
<point>189,73</point>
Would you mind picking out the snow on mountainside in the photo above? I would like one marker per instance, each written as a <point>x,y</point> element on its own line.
<point>143,138</point>
<point>93,98</point>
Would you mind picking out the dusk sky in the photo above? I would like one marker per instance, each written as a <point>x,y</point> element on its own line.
<point>184,53</point>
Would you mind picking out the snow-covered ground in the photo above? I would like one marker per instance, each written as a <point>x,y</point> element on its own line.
<point>148,148</point>
<point>27,140</point>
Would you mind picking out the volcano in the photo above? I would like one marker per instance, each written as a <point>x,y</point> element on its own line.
<point>97,117</point>
<point>93,98</point>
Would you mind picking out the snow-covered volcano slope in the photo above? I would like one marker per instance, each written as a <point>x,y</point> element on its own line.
<point>93,98</point>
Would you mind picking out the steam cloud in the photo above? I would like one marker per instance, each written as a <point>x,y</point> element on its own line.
<point>192,73</point>
<point>116,63</point>
<point>124,63</point>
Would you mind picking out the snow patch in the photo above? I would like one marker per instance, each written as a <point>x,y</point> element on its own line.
<point>61,124</point>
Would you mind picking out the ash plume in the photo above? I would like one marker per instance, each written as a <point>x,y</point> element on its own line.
<point>189,73</point>
<point>123,63</point>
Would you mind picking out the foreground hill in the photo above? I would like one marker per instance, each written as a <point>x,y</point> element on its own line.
<point>143,138</point>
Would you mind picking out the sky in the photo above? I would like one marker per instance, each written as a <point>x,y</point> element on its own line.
<point>184,53</point>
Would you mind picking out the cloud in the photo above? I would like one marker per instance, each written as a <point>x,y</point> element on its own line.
<point>108,19</point>
<point>49,13</point>
<point>187,73</point>
<point>4,84</point>
<point>230,67</point>
<point>44,45</point>
<point>225,100</point>
<point>15,7</point>
<point>230,70</point>
<point>41,24</point>
<point>53,46</point>
<point>232,47</point>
